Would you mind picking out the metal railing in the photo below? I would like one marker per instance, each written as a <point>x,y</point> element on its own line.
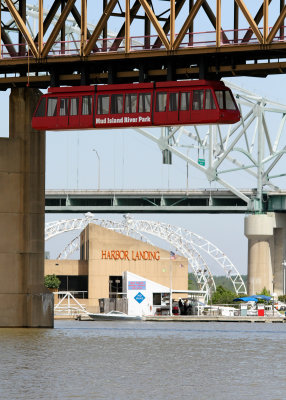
<point>140,43</point>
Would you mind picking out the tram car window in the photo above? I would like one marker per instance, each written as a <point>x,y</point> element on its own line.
<point>144,102</point>
<point>41,110</point>
<point>161,102</point>
<point>185,101</point>
<point>198,99</point>
<point>229,102</point>
<point>130,103</point>
<point>102,104</point>
<point>173,101</point>
<point>74,102</point>
<point>86,105</point>
<point>209,101</point>
<point>64,104</point>
<point>116,103</point>
<point>52,106</point>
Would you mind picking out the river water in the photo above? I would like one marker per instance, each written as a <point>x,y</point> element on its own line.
<point>144,360</point>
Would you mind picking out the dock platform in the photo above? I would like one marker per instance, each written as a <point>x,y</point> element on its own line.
<point>214,318</point>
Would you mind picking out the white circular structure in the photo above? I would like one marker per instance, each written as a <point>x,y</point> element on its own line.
<point>185,242</point>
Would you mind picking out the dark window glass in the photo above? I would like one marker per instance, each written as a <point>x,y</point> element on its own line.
<point>86,105</point>
<point>198,99</point>
<point>210,104</point>
<point>116,103</point>
<point>103,104</point>
<point>144,102</point>
<point>156,299</point>
<point>161,101</point>
<point>52,107</point>
<point>78,285</point>
<point>64,103</point>
<point>74,106</point>
<point>173,102</point>
<point>229,103</point>
<point>219,96</point>
<point>41,110</point>
<point>185,102</point>
<point>130,103</point>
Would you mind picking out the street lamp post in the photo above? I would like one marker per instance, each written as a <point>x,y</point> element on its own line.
<point>98,174</point>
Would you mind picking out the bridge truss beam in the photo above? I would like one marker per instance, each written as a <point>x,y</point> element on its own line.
<point>153,40</point>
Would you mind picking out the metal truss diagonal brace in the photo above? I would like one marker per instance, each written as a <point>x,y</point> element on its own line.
<point>250,20</point>
<point>69,5</point>
<point>98,29</point>
<point>22,27</point>
<point>187,23</point>
<point>155,23</point>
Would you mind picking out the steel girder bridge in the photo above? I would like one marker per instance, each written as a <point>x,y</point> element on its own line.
<point>250,152</point>
<point>184,242</point>
<point>150,40</point>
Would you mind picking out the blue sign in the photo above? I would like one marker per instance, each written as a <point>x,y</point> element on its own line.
<point>136,285</point>
<point>139,297</point>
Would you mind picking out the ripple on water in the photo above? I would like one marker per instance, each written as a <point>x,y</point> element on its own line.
<point>145,360</point>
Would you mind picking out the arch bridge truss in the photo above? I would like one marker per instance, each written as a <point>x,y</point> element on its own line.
<point>51,42</point>
<point>183,241</point>
<point>250,152</point>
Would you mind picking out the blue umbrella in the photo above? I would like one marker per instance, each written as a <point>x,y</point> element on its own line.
<point>250,298</point>
<point>262,297</point>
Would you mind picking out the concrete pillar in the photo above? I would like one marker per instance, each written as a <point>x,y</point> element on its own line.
<point>24,301</point>
<point>259,231</point>
<point>266,252</point>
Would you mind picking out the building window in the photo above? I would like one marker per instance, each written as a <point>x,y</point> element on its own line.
<point>78,285</point>
<point>156,299</point>
<point>115,285</point>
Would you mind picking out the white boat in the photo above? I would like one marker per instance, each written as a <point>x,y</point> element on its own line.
<point>114,316</point>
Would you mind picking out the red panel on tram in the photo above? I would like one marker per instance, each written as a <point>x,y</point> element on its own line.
<point>139,104</point>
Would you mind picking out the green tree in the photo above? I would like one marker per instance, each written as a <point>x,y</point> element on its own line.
<point>223,296</point>
<point>52,281</point>
<point>265,292</point>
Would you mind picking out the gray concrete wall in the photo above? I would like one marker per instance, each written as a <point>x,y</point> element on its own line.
<point>24,301</point>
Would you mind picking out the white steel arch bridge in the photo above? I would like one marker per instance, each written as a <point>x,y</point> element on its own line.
<point>185,242</point>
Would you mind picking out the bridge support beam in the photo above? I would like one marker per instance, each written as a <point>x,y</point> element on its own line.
<point>266,235</point>
<point>24,301</point>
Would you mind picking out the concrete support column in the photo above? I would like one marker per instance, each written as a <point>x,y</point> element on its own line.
<point>266,252</point>
<point>24,301</point>
<point>259,231</point>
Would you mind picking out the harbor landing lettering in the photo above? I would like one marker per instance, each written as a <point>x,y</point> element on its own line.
<point>130,255</point>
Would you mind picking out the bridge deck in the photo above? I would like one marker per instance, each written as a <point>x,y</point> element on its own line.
<point>156,201</point>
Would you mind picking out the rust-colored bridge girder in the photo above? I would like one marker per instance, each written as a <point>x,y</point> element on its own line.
<point>153,40</point>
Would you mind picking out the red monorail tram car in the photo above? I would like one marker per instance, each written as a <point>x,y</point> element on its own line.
<point>133,105</point>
